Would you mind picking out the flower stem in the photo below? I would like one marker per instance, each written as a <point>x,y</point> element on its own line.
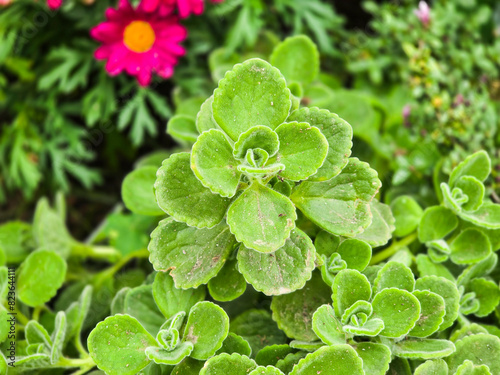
<point>102,276</point>
<point>393,249</point>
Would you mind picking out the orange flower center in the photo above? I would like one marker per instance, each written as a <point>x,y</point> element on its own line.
<point>139,36</point>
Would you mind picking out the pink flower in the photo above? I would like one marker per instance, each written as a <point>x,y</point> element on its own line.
<point>138,42</point>
<point>185,7</point>
<point>54,4</point>
<point>423,13</point>
<point>4,3</point>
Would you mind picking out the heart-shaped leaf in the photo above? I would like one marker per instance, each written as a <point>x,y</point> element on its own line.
<point>423,349</point>
<point>398,309</point>
<point>327,326</point>
<point>376,357</point>
<point>118,344</point>
<point>302,150</point>
<point>229,284</point>
<point>138,193</point>
<point>253,93</point>
<point>338,133</point>
<point>335,360</point>
<point>192,255</point>
<point>261,218</point>
<point>257,137</point>
<point>432,311</point>
<point>207,327</point>
<point>341,204</point>
<point>171,300</point>
<point>281,272</point>
<point>212,161</point>
<point>178,191</point>
<point>446,289</point>
<point>234,364</point>
<point>349,286</point>
<point>470,246</point>
<point>297,58</point>
<point>294,311</point>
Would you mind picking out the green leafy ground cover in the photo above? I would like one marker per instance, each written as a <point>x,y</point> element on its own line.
<point>272,250</point>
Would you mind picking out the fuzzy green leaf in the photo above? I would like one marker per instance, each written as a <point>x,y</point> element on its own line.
<point>432,311</point>
<point>257,137</point>
<point>233,364</point>
<point>394,275</point>
<point>341,204</point>
<point>348,287</point>
<point>436,223</point>
<point>426,267</point>
<point>355,253</point>
<point>258,328</point>
<point>192,255</point>
<point>474,189</point>
<point>281,272</point>
<point>212,161</point>
<point>140,304</point>
<point>470,246</point>
<point>477,165</point>
<point>487,293</point>
<point>40,276</point>
<point>171,300</point>
<point>338,133</point>
<point>169,357</point>
<point>138,193</point>
<point>207,327</point>
<point>183,129</point>
<point>407,213</point>
<point>235,344</point>
<point>432,367</point>
<point>327,326</point>
<point>297,58</point>
<point>481,349</point>
<point>446,289</point>
<point>303,149</point>
<point>269,370</point>
<point>479,269</point>
<point>331,360</point>
<point>180,194</point>
<point>118,344</point>
<point>468,368</point>
<point>487,216</point>
<point>261,218</point>
<point>205,119</point>
<point>327,243</point>
<point>229,284</point>
<point>423,349</point>
<point>294,312</point>
<point>376,357</point>
<point>253,93</point>
<point>379,232</point>
<point>398,309</point>
<point>271,354</point>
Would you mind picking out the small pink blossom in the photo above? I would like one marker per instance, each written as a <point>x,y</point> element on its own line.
<point>139,42</point>
<point>54,4</point>
<point>406,115</point>
<point>184,7</point>
<point>423,13</point>
<point>4,3</point>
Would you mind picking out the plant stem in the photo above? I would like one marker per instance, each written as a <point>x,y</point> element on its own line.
<point>20,317</point>
<point>87,363</point>
<point>393,249</point>
<point>102,276</point>
<point>99,252</point>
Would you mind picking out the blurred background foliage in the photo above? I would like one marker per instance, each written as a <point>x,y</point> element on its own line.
<point>419,96</point>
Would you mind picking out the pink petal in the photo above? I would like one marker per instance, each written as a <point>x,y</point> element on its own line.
<point>144,77</point>
<point>117,60</point>
<point>189,6</point>
<point>170,47</point>
<point>103,52</point>
<point>166,71</point>
<point>54,4</point>
<point>149,5</point>
<point>107,32</point>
